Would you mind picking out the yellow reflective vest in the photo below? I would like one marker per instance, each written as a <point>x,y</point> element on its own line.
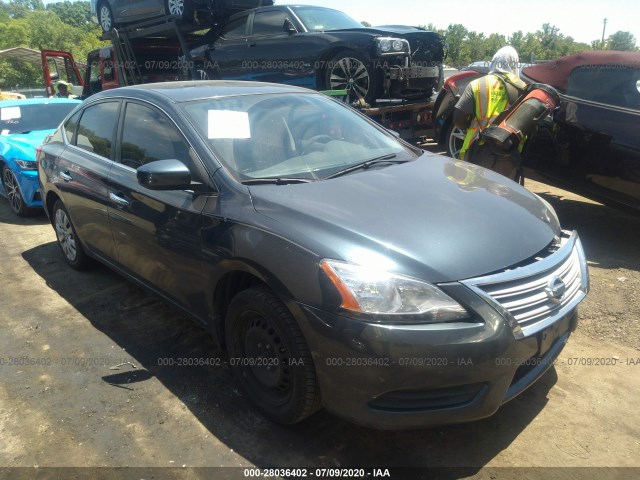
<point>491,98</point>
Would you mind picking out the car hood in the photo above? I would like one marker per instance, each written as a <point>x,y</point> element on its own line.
<point>27,142</point>
<point>432,218</point>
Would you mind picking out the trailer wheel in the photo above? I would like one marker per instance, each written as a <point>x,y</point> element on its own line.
<point>105,17</point>
<point>349,71</point>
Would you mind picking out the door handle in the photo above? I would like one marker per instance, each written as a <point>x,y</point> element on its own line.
<point>253,44</point>
<point>118,200</point>
<point>65,176</point>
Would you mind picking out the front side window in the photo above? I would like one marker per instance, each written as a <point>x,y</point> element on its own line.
<point>306,137</point>
<point>96,128</point>
<point>149,135</point>
<point>608,84</point>
<point>319,19</point>
<point>269,23</point>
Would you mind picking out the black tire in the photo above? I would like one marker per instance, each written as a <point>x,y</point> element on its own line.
<point>14,195</point>
<point>105,17</point>
<point>454,138</point>
<point>260,330</point>
<point>348,70</point>
<point>68,240</point>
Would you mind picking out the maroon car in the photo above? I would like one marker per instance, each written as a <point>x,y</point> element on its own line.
<point>597,135</point>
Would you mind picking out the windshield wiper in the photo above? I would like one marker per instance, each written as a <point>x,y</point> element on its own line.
<point>389,158</point>
<point>275,181</point>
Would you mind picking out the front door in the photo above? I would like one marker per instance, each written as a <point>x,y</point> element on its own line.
<point>157,233</point>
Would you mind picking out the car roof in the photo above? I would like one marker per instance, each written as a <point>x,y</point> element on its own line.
<point>556,72</point>
<point>36,101</point>
<point>277,7</point>
<point>185,91</point>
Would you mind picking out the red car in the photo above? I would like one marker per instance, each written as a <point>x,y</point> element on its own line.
<point>596,140</point>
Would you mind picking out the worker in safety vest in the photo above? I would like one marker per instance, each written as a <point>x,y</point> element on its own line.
<point>483,100</point>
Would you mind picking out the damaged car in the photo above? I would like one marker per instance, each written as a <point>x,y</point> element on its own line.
<point>322,49</point>
<point>596,146</point>
<point>336,265</point>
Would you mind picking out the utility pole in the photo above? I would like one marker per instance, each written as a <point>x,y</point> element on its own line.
<point>604,27</point>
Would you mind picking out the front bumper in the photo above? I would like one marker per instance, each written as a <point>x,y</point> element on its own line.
<point>411,376</point>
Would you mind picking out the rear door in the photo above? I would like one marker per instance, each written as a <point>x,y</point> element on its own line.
<point>229,51</point>
<point>157,233</point>
<point>82,172</point>
<point>276,55</point>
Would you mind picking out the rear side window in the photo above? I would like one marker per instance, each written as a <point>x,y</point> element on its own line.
<point>236,28</point>
<point>70,127</point>
<point>96,128</point>
<point>609,84</point>
<point>269,23</point>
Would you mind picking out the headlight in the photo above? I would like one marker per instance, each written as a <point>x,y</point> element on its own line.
<point>398,45</point>
<point>392,46</point>
<point>371,291</point>
<point>26,164</point>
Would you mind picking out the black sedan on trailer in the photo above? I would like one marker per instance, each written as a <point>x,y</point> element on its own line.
<point>337,265</point>
<point>323,49</point>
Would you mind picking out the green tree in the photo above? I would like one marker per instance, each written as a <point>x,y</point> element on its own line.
<point>516,40</point>
<point>21,8</point>
<point>365,23</point>
<point>77,14</point>
<point>623,41</point>
<point>455,36</point>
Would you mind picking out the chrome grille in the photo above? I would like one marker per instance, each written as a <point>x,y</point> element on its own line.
<point>525,296</point>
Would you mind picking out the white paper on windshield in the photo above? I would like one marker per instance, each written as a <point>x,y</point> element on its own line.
<point>4,133</point>
<point>9,113</point>
<point>228,124</point>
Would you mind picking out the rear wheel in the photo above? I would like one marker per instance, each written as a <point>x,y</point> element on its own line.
<point>12,189</point>
<point>68,239</point>
<point>105,17</point>
<point>270,357</point>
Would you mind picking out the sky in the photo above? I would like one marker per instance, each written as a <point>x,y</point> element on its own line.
<point>580,19</point>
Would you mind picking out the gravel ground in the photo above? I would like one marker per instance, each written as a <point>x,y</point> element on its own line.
<point>105,399</point>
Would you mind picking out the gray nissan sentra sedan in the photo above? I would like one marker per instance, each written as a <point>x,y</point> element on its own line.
<point>337,265</point>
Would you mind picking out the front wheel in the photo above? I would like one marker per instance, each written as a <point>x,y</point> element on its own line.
<point>349,71</point>
<point>68,239</point>
<point>455,140</point>
<point>12,189</point>
<point>269,356</point>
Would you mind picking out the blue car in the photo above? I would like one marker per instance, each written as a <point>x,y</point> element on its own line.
<point>24,124</point>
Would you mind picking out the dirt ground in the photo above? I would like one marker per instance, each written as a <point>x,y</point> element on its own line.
<point>82,382</point>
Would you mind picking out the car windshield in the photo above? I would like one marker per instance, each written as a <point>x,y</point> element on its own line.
<point>322,19</point>
<point>290,136</point>
<point>27,118</point>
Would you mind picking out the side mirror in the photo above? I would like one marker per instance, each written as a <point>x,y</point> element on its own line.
<point>289,27</point>
<point>164,175</point>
